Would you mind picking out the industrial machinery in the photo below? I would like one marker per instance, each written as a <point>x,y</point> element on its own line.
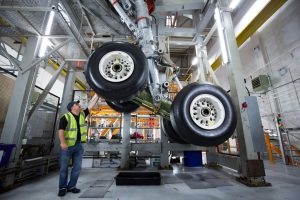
<point>126,75</point>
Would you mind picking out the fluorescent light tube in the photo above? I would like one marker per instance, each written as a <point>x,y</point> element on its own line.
<point>234,3</point>
<point>45,41</point>
<point>195,61</point>
<point>221,36</point>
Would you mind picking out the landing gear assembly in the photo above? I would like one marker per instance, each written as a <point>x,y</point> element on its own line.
<point>126,76</point>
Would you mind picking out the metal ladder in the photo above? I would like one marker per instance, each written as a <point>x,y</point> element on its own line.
<point>287,151</point>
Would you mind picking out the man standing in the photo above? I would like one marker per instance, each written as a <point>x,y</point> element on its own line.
<point>72,132</point>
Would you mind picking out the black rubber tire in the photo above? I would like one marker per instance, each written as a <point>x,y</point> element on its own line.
<point>170,132</point>
<point>120,91</point>
<point>185,126</point>
<point>124,107</point>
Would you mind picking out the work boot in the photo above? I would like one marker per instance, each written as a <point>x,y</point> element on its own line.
<point>74,190</point>
<point>62,192</point>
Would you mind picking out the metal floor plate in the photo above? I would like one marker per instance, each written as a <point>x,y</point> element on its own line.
<point>203,180</point>
<point>185,176</point>
<point>98,189</point>
<point>218,182</point>
<point>198,184</point>
<point>94,192</point>
<point>102,183</point>
<point>171,179</point>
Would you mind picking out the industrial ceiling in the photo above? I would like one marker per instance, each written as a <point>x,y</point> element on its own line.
<point>92,23</point>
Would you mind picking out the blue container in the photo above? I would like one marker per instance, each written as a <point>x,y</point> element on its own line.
<point>193,158</point>
<point>7,149</point>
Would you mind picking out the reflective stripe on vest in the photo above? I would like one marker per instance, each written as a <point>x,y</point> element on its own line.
<point>71,129</point>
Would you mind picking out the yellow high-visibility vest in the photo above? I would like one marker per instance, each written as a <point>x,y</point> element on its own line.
<point>71,129</point>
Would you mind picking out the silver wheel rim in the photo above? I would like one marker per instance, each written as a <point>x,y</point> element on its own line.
<point>207,111</point>
<point>116,66</point>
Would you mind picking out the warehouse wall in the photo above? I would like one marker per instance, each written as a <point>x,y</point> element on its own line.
<point>279,38</point>
<point>6,88</point>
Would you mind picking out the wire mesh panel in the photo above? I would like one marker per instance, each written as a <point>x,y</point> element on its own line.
<point>41,127</point>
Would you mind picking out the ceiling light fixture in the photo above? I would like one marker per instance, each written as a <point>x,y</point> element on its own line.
<point>195,61</point>
<point>221,34</point>
<point>45,41</point>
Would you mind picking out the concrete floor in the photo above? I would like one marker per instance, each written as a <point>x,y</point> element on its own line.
<point>285,185</point>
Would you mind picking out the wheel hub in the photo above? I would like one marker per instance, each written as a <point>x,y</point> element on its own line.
<point>207,111</point>
<point>116,66</point>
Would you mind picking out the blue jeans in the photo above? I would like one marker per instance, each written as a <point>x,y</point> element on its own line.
<point>75,152</point>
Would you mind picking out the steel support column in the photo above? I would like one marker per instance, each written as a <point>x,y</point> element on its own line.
<point>164,154</point>
<point>66,98</point>
<point>200,65</point>
<point>238,94</point>
<point>126,148</point>
<point>16,118</point>
<point>68,89</point>
<point>17,114</point>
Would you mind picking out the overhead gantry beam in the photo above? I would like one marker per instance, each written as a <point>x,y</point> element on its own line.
<point>206,16</point>
<point>26,68</point>
<point>26,8</point>
<point>179,5</point>
<point>72,29</point>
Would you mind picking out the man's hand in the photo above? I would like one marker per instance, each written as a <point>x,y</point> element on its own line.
<point>93,101</point>
<point>61,136</point>
<point>63,146</point>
